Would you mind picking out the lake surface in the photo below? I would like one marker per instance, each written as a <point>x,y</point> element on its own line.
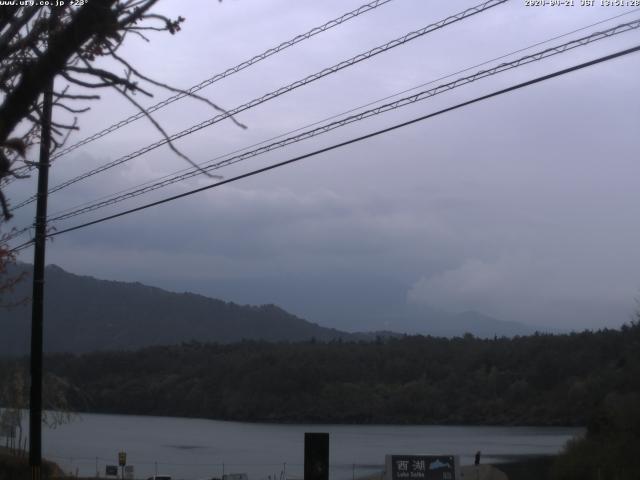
<point>197,449</point>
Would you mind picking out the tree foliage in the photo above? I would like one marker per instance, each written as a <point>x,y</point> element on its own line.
<point>7,281</point>
<point>14,399</point>
<point>609,450</point>
<point>535,380</point>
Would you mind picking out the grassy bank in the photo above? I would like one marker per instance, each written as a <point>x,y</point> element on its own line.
<point>530,468</point>
<point>16,467</point>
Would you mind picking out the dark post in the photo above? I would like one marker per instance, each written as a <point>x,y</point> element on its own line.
<point>316,456</point>
<point>35,404</point>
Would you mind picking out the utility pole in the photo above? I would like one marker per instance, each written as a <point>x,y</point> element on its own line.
<point>35,403</point>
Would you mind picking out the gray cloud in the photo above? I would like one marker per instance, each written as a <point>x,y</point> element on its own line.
<point>523,207</point>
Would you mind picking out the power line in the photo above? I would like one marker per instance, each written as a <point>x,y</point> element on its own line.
<point>16,233</point>
<point>137,187</point>
<point>423,95</point>
<point>133,189</point>
<point>230,71</point>
<point>188,173</point>
<point>280,91</point>
<point>219,76</point>
<point>22,246</point>
<point>349,142</point>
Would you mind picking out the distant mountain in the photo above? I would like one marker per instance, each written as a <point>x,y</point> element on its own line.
<point>85,314</point>
<point>422,319</point>
<point>353,303</point>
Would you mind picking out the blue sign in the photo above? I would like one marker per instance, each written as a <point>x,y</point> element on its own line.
<point>423,467</point>
<point>111,470</point>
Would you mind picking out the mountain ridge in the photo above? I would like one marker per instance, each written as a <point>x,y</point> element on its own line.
<point>85,313</point>
<point>130,315</point>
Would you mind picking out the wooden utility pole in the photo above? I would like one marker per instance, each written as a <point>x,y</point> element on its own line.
<point>35,403</point>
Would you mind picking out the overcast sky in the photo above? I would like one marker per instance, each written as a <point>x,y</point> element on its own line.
<point>523,207</point>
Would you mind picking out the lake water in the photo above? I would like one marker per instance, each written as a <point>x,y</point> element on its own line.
<point>196,448</point>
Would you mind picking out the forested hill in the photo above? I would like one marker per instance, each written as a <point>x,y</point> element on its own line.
<point>84,314</point>
<point>535,380</point>
<point>87,314</point>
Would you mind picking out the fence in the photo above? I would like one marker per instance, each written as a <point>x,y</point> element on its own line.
<point>95,467</point>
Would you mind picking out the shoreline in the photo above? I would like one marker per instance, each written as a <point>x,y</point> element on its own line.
<point>329,423</point>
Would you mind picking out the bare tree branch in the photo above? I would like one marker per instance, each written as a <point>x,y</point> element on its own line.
<point>38,44</point>
<point>176,90</point>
